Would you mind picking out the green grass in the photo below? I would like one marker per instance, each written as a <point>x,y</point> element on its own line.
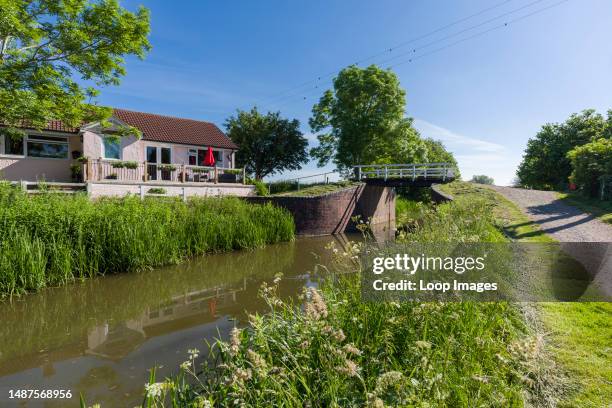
<point>601,209</point>
<point>52,239</point>
<point>319,189</point>
<point>333,349</point>
<point>579,333</point>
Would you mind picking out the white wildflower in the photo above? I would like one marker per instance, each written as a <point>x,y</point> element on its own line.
<point>154,389</point>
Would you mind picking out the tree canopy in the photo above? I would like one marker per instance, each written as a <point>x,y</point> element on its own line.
<point>545,163</point>
<point>590,163</point>
<point>482,179</point>
<point>267,143</point>
<point>361,121</point>
<point>49,48</point>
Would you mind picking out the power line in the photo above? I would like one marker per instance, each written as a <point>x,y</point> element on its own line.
<point>400,45</point>
<point>302,94</point>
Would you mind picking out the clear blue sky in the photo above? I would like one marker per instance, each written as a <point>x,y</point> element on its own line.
<point>483,97</point>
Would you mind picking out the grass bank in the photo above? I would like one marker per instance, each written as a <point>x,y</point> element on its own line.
<point>319,189</point>
<point>332,349</point>
<point>600,209</point>
<point>578,334</point>
<point>52,239</point>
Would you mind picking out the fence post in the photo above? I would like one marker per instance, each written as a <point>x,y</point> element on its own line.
<point>142,192</point>
<point>100,169</point>
<point>444,169</point>
<point>184,194</point>
<point>413,172</point>
<point>183,169</point>
<point>386,172</point>
<point>298,184</point>
<point>145,176</point>
<point>244,175</point>
<point>216,175</point>
<point>358,173</point>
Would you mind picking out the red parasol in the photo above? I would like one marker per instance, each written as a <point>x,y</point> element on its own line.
<point>209,159</point>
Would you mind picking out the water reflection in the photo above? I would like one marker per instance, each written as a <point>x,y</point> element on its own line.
<point>100,337</point>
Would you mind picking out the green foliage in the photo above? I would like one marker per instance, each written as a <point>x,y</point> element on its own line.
<point>437,153</point>
<point>48,48</point>
<point>482,179</point>
<point>590,162</point>
<point>363,121</point>
<point>124,165</point>
<point>545,163</point>
<point>334,349</point>
<point>156,190</point>
<point>260,187</point>
<point>267,143</point>
<point>51,239</point>
<point>166,167</point>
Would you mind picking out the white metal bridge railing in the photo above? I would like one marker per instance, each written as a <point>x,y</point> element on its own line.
<point>443,171</point>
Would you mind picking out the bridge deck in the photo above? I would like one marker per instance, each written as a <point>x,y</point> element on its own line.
<point>417,174</point>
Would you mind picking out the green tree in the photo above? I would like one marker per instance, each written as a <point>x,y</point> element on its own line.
<point>361,121</point>
<point>545,163</point>
<point>437,153</point>
<point>590,162</point>
<point>267,143</point>
<point>482,179</point>
<point>49,48</point>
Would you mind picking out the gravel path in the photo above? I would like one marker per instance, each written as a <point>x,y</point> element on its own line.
<point>561,221</point>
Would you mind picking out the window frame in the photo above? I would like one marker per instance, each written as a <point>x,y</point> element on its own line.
<point>54,140</point>
<point>3,145</point>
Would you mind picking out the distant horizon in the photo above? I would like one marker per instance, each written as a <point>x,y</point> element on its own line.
<point>480,87</point>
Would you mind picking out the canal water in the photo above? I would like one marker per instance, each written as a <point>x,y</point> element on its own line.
<point>100,337</point>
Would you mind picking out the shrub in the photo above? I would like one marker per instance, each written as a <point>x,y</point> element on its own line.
<point>482,179</point>
<point>260,187</point>
<point>590,162</point>
<point>157,190</point>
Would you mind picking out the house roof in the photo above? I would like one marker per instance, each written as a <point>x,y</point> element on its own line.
<point>161,128</point>
<point>52,126</point>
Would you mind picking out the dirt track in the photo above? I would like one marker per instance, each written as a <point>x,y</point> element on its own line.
<point>561,221</point>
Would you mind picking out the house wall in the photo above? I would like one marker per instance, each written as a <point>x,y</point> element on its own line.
<point>133,149</point>
<point>23,168</point>
<point>118,189</point>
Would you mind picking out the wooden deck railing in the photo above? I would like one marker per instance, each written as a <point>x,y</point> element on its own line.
<point>109,170</point>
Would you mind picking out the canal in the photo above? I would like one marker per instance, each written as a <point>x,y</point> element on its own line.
<point>101,336</point>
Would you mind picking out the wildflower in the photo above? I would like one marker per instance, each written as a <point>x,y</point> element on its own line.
<point>235,341</point>
<point>350,368</point>
<point>259,363</point>
<point>186,365</point>
<point>422,344</point>
<point>154,389</point>
<point>315,308</point>
<point>390,379</point>
<point>351,349</point>
<point>193,353</point>
<point>339,336</point>
<point>241,375</point>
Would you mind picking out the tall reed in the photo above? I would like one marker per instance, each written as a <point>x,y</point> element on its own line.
<point>51,239</point>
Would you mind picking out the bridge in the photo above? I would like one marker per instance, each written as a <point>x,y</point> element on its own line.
<point>397,175</point>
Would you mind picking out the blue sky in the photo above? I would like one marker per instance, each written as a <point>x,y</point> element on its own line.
<point>483,97</point>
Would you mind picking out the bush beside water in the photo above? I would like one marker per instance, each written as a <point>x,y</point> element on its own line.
<point>51,239</point>
<point>332,349</point>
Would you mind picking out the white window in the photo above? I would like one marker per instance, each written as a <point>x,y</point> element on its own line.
<point>47,147</point>
<point>111,148</point>
<point>11,146</point>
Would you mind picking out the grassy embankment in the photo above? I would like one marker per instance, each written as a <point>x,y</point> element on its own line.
<point>333,349</point>
<point>578,333</point>
<point>600,209</point>
<point>52,239</point>
<point>311,190</point>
